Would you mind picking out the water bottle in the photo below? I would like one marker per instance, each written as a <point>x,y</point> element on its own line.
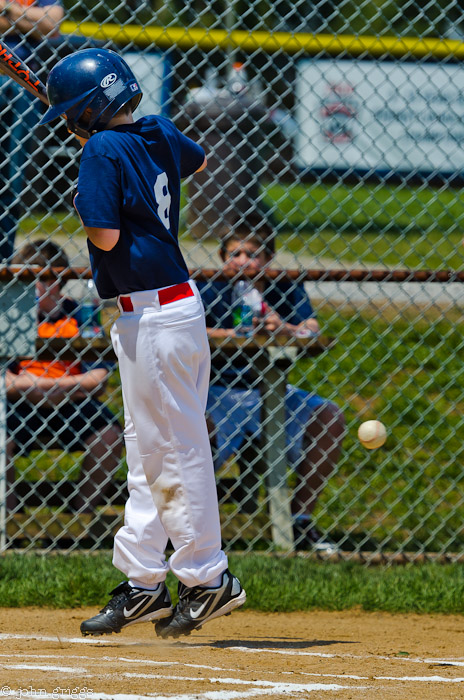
<point>239,85</point>
<point>247,302</point>
<point>90,323</point>
<point>237,80</point>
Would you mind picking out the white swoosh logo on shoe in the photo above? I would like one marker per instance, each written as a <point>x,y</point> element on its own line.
<point>197,613</point>
<point>128,613</point>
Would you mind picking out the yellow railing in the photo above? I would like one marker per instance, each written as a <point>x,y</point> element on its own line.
<point>249,41</point>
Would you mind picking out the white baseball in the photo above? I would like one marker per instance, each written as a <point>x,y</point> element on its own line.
<point>372,434</point>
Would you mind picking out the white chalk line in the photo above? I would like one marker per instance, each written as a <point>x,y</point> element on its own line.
<point>70,640</point>
<point>123,659</point>
<point>208,695</point>
<point>296,652</point>
<point>300,687</point>
<point>44,667</point>
<point>232,681</point>
<point>436,679</point>
<point>253,688</point>
<point>421,679</point>
<point>249,688</point>
<point>239,681</point>
<point>292,652</point>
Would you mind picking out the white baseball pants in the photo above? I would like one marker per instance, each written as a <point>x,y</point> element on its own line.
<point>164,362</point>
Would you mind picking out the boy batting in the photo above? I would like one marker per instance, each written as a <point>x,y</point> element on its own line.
<point>128,201</point>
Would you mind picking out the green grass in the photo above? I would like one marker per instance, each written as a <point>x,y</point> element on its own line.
<point>409,373</point>
<point>366,224</point>
<point>371,224</point>
<point>43,224</point>
<point>272,584</point>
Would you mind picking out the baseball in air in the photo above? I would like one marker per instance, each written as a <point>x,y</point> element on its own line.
<point>372,434</point>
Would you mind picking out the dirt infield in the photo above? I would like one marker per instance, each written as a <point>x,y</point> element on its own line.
<point>344,655</point>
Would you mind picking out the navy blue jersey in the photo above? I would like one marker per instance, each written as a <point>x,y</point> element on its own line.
<point>129,179</point>
<point>286,298</point>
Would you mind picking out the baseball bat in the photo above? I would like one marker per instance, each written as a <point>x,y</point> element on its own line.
<point>15,68</point>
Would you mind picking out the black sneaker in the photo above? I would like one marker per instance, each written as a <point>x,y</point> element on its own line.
<point>199,605</point>
<point>127,607</point>
<point>307,538</point>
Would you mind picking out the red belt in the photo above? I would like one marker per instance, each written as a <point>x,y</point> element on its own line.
<point>165,296</point>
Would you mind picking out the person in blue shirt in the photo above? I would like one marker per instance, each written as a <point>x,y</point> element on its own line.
<point>24,26</point>
<point>128,197</point>
<point>57,400</point>
<point>314,426</point>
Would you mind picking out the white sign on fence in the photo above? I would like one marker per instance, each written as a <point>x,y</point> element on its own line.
<point>150,69</point>
<point>377,115</point>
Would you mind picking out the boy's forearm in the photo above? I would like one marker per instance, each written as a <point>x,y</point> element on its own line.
<point>221,332</point>
<point>36,388</point>
<point>39,21</point>
<point>18,384</point>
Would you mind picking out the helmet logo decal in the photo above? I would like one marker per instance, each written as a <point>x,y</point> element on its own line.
<point>114,90</point>
<point>108,80</point>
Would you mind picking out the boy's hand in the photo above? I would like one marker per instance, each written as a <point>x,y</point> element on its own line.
<point>271,322</point>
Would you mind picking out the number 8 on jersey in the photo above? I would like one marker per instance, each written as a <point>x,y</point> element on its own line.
<point>163,198</point>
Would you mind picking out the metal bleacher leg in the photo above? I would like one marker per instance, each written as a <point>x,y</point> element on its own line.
<point>18,331</point>
<point>274,373</point>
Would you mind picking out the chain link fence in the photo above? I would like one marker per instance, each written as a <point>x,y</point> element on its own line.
<point>340,126</point>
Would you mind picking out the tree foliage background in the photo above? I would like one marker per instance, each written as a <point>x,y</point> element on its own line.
<point>420,18</point>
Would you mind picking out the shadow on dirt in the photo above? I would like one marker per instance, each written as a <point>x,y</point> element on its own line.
<point>267,643</point>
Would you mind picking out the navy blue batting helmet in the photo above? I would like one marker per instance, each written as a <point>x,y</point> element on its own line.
<point>89,87</point>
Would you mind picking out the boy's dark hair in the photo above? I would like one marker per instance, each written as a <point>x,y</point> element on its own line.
<point>86,115</point>
<point>126,109</point>
<point>254,230</point>
<point>41,252</point>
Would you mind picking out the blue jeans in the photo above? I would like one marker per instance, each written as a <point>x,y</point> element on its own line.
<point>18,117</point>
<point>236,414</point>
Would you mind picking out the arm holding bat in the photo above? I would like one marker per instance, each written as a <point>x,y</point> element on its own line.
<point>33,20</point>
<point>23,28</point>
